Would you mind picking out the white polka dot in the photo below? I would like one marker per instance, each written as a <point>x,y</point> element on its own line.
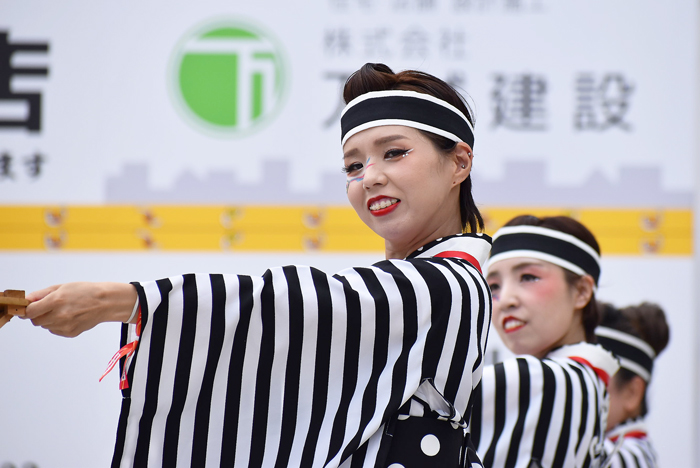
<point>396,465</point>
<point>430,445</point>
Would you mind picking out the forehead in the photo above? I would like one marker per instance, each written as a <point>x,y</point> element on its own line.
<point>507,265</point>
<point>376,136</point>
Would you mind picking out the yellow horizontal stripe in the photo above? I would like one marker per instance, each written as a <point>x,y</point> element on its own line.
<point>297,228</point>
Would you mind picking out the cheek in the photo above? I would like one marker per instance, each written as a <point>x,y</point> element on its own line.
<point>496,323</point>
<point>496,313</point>
<point>545,290</point>
<point>353,189</point>
<point>614,394</point>
<point>548,296</point>
<point>353,182</point>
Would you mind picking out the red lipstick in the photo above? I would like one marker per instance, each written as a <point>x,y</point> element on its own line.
<point>514,328</point>
<point>382,211</point>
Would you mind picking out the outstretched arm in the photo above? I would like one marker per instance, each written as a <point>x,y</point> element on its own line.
<point>72,308</point>
<point>296,366</point>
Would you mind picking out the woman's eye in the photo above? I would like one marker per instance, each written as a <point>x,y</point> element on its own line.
<point>352,168</point>
<point>495,289</point>
<point>396,153</point>
<point>528,277</point>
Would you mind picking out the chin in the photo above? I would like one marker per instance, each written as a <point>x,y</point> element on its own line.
<point>391,232</point>
<point>522,348</point>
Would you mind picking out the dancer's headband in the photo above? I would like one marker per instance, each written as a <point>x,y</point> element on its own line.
<point>634,353</point>
<point>408,108</point>
<point>546,244</point>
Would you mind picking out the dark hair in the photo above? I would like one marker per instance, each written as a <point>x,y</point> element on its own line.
<point>645,321</point>
<point>590,315</point>
<point>379,77</point>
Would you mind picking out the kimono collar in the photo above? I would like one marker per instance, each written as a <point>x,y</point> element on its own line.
<point>474,248</point>
<point>594,356</point>
<point>635,428</point>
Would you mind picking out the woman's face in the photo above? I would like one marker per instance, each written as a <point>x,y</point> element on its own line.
<point>534,308</point>
<point>402,188</point>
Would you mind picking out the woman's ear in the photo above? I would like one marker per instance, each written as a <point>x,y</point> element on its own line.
<point>634,394</point>
<point>462,156</point>
<point>584,291</point>
<point>631,396</point>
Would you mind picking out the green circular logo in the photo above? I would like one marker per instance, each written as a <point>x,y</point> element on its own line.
<point>229,77</point>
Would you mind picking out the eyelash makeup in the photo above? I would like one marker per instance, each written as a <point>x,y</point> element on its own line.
<point>359,171</point>
<point>352,167</point>
<point>391,153</point>
<point>398,152</point>
<point>348,169</point>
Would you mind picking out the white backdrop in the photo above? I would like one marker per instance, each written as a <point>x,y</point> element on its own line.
<point>110,101</point>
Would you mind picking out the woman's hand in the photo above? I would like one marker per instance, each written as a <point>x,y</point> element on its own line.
<point>72,308</point>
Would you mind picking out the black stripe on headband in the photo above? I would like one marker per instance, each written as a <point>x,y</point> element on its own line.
<point>627,351</point>
<point>406,107</point>
<point>549,245</point>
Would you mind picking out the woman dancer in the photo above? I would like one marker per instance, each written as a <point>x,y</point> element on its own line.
<point>636,335</point>
<point>301,368</point>
<point>548,406</point>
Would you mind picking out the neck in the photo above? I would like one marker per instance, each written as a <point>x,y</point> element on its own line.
<point>401,250</point>
<point>575,335</point>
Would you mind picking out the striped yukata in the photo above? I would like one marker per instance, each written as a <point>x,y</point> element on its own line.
<point>629,446</point>
<point>299,368</point>
<point>547,413</point>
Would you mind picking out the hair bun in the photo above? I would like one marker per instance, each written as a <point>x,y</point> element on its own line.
<point>650,322</point>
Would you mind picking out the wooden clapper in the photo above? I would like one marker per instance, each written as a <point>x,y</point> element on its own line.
<point>12,302</point>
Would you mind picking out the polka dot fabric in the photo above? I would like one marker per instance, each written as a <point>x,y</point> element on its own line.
<point>425,443</point>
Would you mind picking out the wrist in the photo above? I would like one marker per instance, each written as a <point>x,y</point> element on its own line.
<point>134,312</point>
<point>119,299</point>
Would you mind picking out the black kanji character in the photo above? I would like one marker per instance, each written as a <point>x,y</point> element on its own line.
<point>519,102</point>
<point>415,43</point>
<point>376,43</point>
<point>340,78</point>
<point>34,164</point>
<point>6,167</point>
<point>336,42</point>
<point>602,105</point>
<point>8,71</point>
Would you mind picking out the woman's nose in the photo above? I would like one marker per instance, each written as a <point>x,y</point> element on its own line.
<point>373,176</point>
<point>507,297</point>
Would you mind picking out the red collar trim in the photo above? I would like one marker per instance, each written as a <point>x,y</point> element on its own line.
<point>600,372</point>
<point>462,255</point>
<point>631,434</point>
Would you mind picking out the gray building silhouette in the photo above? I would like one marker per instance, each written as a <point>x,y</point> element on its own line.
<point>523,184</point>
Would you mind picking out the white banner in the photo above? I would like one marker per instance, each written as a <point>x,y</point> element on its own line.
<point>148,102</point>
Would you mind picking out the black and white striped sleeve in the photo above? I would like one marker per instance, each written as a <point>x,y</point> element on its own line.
<point>297,367</point>
<point>548,411</point>
<point>631,453</point>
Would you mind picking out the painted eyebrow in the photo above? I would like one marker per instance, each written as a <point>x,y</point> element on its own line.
<point>523,265</point>
<point>518,267</point>
<point>389,139</point>
<point>377,142</point>
<point>492,275</point>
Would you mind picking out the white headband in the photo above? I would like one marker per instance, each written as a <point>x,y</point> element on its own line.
<point>546,244</point>
<point>408,108</point>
